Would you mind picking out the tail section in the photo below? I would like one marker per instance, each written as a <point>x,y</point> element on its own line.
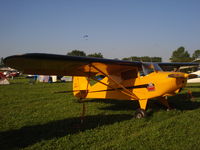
<point>81,86</point>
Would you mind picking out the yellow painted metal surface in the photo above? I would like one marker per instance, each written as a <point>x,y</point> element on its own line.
<point>153,85</point>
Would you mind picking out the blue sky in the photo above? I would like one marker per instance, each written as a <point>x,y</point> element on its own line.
<point>116,28</point>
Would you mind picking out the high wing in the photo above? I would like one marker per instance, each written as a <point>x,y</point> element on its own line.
<point>51,64</point>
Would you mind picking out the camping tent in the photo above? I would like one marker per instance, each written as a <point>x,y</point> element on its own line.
<point>42,78</point>
<point>3,79</point>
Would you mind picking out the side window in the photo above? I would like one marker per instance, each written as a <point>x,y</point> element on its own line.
<point>147,68</point>
<point>142,73</point>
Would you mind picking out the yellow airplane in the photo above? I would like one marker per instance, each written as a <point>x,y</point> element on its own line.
<point>121,80</point>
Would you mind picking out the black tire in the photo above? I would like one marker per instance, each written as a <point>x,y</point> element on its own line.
<point>140,113</point>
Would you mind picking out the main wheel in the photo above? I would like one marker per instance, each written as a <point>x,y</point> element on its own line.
<point>140,113</point>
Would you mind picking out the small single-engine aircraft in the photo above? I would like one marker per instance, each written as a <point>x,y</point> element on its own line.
<point>122,80</point>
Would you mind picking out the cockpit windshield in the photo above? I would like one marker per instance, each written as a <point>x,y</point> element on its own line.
<point>148,68</point>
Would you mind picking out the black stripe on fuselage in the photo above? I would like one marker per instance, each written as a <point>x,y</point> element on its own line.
<point>130,87</point>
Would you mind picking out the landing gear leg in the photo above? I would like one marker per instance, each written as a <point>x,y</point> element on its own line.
<point>164,101</point>
<point>141,113</point>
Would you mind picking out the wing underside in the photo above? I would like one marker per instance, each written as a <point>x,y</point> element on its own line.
<point>50,64</point>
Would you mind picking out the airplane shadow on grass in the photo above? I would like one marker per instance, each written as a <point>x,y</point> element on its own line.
<point>179,102</point>
<point>185,102</point>
<point>29,135</point>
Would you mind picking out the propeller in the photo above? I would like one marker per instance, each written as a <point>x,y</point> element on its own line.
<point>182,75</point>
<point>191,76</point>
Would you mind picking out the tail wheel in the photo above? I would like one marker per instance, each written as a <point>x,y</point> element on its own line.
<point>140,113</point>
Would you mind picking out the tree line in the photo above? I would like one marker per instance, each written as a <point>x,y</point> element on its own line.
<point>143,59</point>
<point>178,55</point>
<point>99,55</point>
<point>82,53</point>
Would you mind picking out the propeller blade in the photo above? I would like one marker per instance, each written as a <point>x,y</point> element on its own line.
<point>191,76</point>
<point>182,75</point>
<point>176,75</point>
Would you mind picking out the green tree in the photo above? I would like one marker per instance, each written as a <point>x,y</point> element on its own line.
<point>196,54</point>
<point>127,58</point>
<point>156,59</point>
<point>132,58</point>
<point>99,55</point>
<point>1,62</point>
<point>180,55</point>
<point>144,59</point>
<point>135,58</point>
<point>76,53</point>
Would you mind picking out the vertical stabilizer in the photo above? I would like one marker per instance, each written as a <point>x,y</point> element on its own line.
<point>81,86</point>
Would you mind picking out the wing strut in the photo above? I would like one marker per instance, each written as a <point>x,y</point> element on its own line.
<point>126,91</point>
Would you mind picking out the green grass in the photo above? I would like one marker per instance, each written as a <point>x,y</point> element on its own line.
<point>34,116</point>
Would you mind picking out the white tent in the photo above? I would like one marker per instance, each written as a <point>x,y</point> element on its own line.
<point>42,78</point>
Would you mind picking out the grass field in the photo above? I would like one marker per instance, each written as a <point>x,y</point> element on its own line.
<point>33,116</point>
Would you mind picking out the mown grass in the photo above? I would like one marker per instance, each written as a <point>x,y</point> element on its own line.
<point>34,116</point>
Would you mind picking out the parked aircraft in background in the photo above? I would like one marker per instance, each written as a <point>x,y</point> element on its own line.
<point>195,80</point>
